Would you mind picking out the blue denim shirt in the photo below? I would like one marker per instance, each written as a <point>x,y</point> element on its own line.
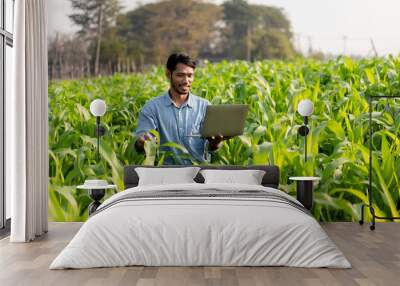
<point>175,124</point>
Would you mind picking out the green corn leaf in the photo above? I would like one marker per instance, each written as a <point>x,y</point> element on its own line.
<point>109,155</point>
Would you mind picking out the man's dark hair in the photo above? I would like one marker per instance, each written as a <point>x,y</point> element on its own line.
<point>175,59</point>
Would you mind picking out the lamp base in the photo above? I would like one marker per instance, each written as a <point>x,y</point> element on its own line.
<point>305,193</point>
<point>374,216</point>
<point>96,195</point>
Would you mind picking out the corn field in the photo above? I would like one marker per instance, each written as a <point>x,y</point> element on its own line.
<point>337,143</point>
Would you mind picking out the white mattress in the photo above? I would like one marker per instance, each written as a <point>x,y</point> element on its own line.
<point>199,231</point>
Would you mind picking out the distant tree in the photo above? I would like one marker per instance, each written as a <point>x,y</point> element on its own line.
<point>272,44</point>
<point>273,35</point>
<point>256,31</point>
<point>109,41</point>
<point>67,57</point>
<point>157,29</point>
<point>239,20</point>
<point>94,17</point>
<point>114,57</point>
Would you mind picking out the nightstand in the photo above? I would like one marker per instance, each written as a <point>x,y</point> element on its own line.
<point>305,190</point>
<point>96,193</point>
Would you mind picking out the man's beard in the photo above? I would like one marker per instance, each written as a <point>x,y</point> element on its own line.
<point>178,89</point>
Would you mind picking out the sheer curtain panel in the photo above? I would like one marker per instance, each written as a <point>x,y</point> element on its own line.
<point>27,124</point>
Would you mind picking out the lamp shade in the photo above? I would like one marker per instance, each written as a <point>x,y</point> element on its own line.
<point>305,107</point>
<point>98,107</point>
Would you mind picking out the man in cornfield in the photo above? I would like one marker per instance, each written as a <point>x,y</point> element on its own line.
<point>177,115</point>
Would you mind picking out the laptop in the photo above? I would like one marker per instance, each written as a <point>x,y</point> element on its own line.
<point>227,120</point>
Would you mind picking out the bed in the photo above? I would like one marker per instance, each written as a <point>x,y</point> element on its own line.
<point>201,224</point>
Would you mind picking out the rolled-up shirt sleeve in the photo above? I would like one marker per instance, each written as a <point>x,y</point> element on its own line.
<point>147,121</point>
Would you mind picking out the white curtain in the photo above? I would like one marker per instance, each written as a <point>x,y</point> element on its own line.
<point>27,124</point>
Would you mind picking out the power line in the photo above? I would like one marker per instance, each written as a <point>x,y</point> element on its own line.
<point>345,44</point>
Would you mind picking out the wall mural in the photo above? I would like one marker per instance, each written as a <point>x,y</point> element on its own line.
<point>337,143</point>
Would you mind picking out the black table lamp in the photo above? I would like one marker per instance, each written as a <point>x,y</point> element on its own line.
<point>370,197</point>
<point>305,108</point>
<point>98,108</point>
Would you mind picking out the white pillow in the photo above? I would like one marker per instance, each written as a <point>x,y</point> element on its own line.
<point>248,177</point>
<point>166,176</point>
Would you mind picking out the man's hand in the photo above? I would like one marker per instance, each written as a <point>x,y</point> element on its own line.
<point>139,144</point>
<point>215,142</point>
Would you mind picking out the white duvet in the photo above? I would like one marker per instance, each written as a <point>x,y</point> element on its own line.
<point>200,231</point>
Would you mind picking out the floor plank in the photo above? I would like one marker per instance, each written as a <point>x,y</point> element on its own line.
<point>374,255</point>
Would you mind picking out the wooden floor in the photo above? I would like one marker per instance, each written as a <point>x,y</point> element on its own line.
<point>374,255</point>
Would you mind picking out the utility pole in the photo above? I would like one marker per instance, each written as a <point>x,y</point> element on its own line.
<point>344,44</point>
<point>298,42</point>
<point>373,47</point>
<point>310,48</point>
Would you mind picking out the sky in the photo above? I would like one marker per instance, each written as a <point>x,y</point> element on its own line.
<point>350,27</point>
